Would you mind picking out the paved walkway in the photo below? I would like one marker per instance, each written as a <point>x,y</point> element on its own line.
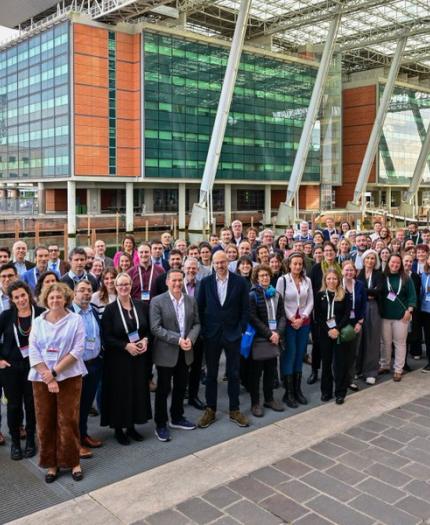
<point>366,462</point>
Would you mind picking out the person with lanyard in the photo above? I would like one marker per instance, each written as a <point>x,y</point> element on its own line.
<point>15,327</point>
<point>19,251</point>
<point>191,288</point>
<point>55,264</point>
<point>317,273</point>
<point>175,326</point>
<point>92,361</point>
<point>398,301</point>
<point>8,274</point>
<point>373,280</point>
<point>126,370</point>
<point>425,309</point>
<point>77,261</point>
<point>298,298</point>
<point>144,276</point>
<point>358,298</point>
<point>41,256</point>
<point>56,345</point>
<point>332,313</point>
<point>414,338</point>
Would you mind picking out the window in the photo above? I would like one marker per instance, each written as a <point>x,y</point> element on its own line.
<point>165,201</point>
<point>250,200</point>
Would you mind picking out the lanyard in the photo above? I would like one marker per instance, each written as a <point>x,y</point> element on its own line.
<point>15,331</point>
<point>150,278</point>
<point>35,276</point>
<point>353,292</point>
<point>390,289</point>
<point>369,281</point>
<point>123,319</point>
<point>330,309</point>
<point>272,307</point>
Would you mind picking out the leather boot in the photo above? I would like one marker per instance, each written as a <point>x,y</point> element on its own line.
<point>298,394</point>
<point>289,398</point>
<point>30,446</point>
<point>313,378</point>
<point>15,449</point>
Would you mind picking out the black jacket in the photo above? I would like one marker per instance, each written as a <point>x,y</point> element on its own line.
<point>258,317</point>
<point>377,284</point>
<point>342,310</point>
<point>9,349</point>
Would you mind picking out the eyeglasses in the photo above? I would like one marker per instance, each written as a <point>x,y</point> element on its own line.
<point>7,276</point>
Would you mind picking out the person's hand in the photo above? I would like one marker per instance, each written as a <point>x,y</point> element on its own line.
<point>357,328</point>
<point>407,316</point>
<point>47,376</point>
<point>132,349</point>
<point>333,333</point>
<point>298,323</point>
<point>4,364</point>
<point>142,345</point>
<point>274,338</point>
<point>188,345</point>
<point>53,387</point>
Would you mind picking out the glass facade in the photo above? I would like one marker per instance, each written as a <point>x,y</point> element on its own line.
<point>183,81</point>
<point>34,106</point>
<point>404,131</point>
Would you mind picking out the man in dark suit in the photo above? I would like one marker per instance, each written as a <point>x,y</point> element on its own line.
<point>175,325</point>
<point>175,262</point>
<point>19,251</point>
<point>157,255</point>
<point>56,264</point>
<point>330,228</point>
<point>224,313</point>
<point>78,260</point>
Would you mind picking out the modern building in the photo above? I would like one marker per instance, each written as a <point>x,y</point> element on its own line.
<point>110,105</point>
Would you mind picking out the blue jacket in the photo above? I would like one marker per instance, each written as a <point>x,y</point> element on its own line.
<point>230,319</point>
<point>360,300</point>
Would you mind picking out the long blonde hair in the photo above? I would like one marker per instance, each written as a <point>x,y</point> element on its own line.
<point>340,292</point>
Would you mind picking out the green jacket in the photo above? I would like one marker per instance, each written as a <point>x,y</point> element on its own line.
<point>405,299</point>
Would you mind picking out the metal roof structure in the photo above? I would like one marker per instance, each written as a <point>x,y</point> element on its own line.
<point>367,36</point>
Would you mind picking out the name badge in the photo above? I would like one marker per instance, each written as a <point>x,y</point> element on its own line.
<point>133,337</point>
<point>331,323</point>
<point>273,325</point>
<point>90,344</point>
<point>146,295</point>
<point>391,296</point>
<point>24,351</point>
<point>51,354</point>
<point>352,314</point>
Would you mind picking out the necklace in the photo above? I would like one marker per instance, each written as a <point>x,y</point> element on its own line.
<point>24,333</point>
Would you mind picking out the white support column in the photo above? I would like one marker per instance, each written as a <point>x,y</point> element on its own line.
<point>41,197</point>
<point>375,136</point>
<point>199,214</point>
<point>287,213</point>
<point>419,169</point>
<point>71,214</point>
<point>268,205</point>
<point>181,207</point>
<point>129,207</point>
<point>227,204</point>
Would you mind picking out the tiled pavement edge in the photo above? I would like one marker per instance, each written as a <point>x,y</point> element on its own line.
<point>364,462</point>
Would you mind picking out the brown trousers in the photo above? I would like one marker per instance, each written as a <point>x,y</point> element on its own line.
<point>57,417</point>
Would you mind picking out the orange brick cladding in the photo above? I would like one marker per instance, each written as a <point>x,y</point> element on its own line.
<point>309,197</point>
<point>91,102</point>
<point>359,111</point>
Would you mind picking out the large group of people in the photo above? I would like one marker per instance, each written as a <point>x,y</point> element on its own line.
<point>99,334</point>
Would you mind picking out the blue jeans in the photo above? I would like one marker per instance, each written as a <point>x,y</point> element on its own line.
<point>296,342</point>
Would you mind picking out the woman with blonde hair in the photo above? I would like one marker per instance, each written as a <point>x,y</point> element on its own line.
<point>332,313</point>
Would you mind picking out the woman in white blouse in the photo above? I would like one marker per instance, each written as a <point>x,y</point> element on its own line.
<point>296,290</point>
<point>56,346</point>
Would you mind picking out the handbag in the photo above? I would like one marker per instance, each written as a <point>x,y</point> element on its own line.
<point>263,349</point>
<point>347,334</point>
<point>247,340</point>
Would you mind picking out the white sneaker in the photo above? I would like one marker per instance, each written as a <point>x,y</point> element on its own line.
<point>370,380</point>
<point>417,357</point>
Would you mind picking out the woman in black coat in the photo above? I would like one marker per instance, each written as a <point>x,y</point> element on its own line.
<point>126,372</point>
<point>15,327</point>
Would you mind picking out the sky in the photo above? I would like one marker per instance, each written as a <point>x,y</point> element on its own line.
<point>5,32</point>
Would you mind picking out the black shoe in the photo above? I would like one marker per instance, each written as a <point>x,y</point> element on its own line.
<point>326,397</point>
<point>78,475</point>
<point>340,400</point>
<point>134,434</point>
<point>15,451</point>
<point>298,394</point>
<point>425,369</point>
<point>197,403</point>
<point>289,398</point>
<point>94,412</point>
<point>30,447</point>
<point>313,378</point>
<point>50,478</point>
<point>121,437</point>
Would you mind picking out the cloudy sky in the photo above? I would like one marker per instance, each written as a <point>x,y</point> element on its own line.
<point>5,32</point>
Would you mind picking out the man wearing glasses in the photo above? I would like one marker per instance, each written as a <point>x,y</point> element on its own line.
<point>55,264</point>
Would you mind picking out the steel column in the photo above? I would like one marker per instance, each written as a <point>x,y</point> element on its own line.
<point>419,169</point>
<point>129,207</point>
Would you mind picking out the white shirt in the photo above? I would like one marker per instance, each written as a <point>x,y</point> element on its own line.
<point>358,261</point>
<point>294,300</point>
<point>179,307</point>
<point>222,288</point>
<point>50,342</point>
<point>4,302</point>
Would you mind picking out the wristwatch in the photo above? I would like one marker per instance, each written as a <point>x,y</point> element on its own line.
<point>54,373</point>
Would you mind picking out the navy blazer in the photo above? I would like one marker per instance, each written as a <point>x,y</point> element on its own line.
<point>230,319</point>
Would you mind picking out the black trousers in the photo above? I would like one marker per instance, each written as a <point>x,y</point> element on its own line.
<point>19,391</point>
<point>267,367</point>
<point>316,350</point>
<point>213,349</point>
<point>195,370</point>
<point>90,384</point>
<point>179,374</point>
<point>336,362</point>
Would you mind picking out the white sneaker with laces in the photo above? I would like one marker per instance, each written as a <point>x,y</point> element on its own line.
<point>370,380</point>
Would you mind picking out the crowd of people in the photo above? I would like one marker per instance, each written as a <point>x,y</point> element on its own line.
<point>99,334</point>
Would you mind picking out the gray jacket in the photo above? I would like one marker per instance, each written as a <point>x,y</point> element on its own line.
<point>165,329</point>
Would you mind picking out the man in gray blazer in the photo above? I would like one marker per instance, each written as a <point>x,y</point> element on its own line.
<point>175,325</point>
